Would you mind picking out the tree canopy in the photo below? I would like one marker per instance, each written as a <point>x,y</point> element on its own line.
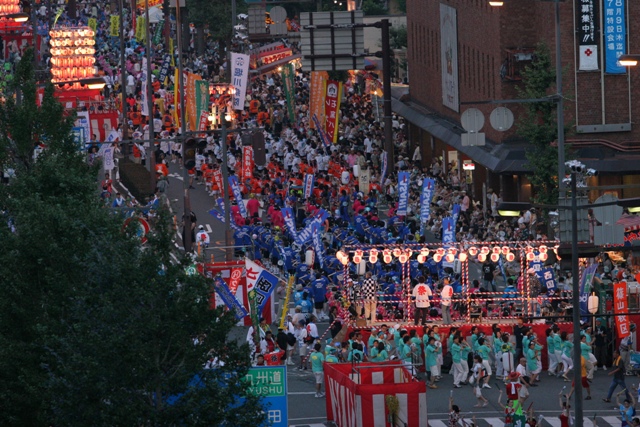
<point>96,328</point>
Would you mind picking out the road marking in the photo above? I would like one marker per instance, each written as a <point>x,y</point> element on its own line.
<point>176,176</point>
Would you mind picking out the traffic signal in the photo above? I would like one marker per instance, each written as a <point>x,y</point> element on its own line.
<point>190,146</point>
<point>202,144</point>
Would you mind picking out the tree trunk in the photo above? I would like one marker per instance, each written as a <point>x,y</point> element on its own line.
<point>200,42</point>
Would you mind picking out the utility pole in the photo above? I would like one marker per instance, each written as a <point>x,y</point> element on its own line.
<point>123,76</point>
<point>386,89</point>
<point>150,103</point>
<point>186,237</point>
<point>225,189</point>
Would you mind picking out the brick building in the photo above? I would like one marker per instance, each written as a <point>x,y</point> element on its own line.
<point>463,51</point>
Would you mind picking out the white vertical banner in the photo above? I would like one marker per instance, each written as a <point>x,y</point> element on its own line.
<point>107,159</point>
<point>239,78</point>
<point>144,100</point>
<point>82,121</point>
<point>449,56</point>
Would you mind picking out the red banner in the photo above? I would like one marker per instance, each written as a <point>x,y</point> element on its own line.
<point>247,162</point>
<point>620,306</point>
<point>204,120</point>
<point>217,178</point>
<point>234,280</point>
<point>332,108</point>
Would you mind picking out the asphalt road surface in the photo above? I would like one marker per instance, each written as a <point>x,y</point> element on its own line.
<point>307,410</point>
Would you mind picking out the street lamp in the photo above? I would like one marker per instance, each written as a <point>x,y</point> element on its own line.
<point>629,60</point>
<point>17,17</point>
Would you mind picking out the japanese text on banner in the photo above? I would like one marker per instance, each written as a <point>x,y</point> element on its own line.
<point>239,78</point>
<point>620,306</point>
<point>332,109</point>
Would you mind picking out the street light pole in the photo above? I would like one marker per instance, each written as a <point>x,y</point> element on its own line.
<point>560,106</point>
<point>186,238</point>
<point>225,189</point>
<point>150,103</point>
<point>575,273</point>
<point>386,88</point>
<point>123,76</point>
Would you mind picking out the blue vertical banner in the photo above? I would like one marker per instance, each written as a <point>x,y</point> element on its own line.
<point>384,164</point>
<point>308,185</point>
<point>455,214</point>
<point>615,35</point>
<point>229,299</point>
<point>403,193</point>
<point>428,185</point>
<point>448,230</point>
<point>585,288</point>
<point>319,128</point>
<point>237,194</point>
<point>290,222</point>
<point>318,247</point>
<point>547,277</point>
<point>220,217</point>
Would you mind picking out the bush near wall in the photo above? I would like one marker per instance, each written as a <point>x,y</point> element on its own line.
<point>136,178</point>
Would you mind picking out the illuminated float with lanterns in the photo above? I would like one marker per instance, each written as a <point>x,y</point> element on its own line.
<point>72,57</point>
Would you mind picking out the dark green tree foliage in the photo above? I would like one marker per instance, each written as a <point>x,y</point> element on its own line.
<point>23,124</point>
<point>96,329</point>
<point>215,15</point>
<point>539,126</point>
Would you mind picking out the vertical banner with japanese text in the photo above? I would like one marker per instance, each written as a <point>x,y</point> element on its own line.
<point>114,27</point>
<point>239,78</point>
<point>308,185</point>
<point>202,99</point>
<point>289,83</point>
<point>448,230</point>
<point>247,162</point>
<point>193,119</point>
<point>144,99</point>
<point>332,109</point>
<point>316,97</point>
<point>615,34</point>
<point>588,30</point>
<point>620,309</point>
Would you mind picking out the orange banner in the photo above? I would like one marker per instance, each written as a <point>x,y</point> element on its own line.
<point>234,280</point>
<point>193,120</point>
<point>620,306</point>
<point>316,99</point>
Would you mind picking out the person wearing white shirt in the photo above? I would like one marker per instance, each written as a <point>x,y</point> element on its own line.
<point>421,294</point>
<point>446,294</point>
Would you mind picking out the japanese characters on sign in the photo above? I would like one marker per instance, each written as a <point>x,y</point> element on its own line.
<point>620,306</point>
<point>247,162</point>
<point>587,29</point>
<point>239,78</point>
<point>403,193</point>
<point>615,39</point>
<point>270,383</point>
<point>332,109</point>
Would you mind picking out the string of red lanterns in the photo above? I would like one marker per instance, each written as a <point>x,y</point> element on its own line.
<point>72,54</point>
<point>8,7</point>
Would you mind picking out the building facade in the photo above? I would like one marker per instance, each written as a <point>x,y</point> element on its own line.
<point>463,53</point>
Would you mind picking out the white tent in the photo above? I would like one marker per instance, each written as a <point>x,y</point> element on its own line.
<point>155,15</point>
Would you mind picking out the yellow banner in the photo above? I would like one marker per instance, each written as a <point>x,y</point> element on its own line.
<point>176,98</point>
<point>93,23</point>
<point>141,29</point>
<point>316,104</point>
<point>114,29</point>
<point>173,62</point>
<point>190,99</point>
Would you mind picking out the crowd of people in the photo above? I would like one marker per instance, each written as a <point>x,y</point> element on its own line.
<point>275,210</point>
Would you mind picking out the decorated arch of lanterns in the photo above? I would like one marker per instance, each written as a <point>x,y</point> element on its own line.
<point>448,252</point>
<point>72,55</point>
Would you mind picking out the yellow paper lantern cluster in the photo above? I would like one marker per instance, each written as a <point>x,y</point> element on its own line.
<point>72,54</point>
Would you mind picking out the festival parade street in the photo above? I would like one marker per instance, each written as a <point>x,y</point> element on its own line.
<point>358,213</point>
